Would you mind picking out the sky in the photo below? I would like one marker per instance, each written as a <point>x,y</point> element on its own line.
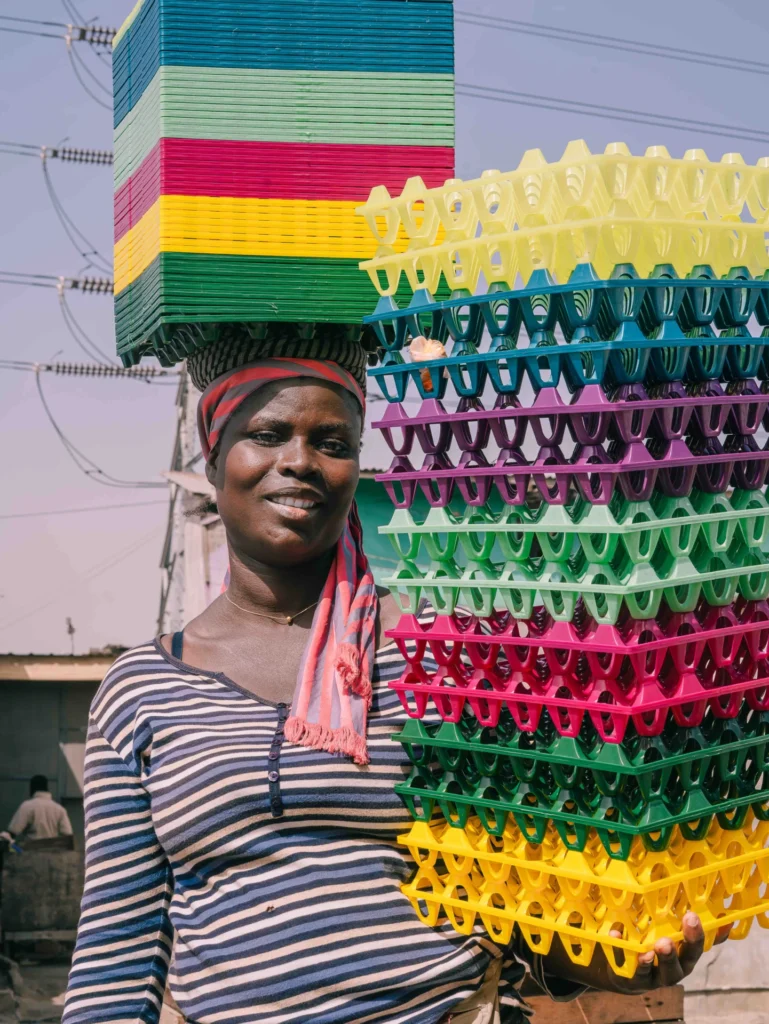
<point>100,568</point>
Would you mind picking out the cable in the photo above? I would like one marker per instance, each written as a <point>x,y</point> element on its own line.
<point>612,43</point>
<point>90,370</point>
<point>86,465</point>
<point>82,340</point>
<point>97,82</point>
<point>90,285</point>
<point>94,35</point>
<point>66,153</point>
<point>607,112</point>
<point>28,32</point>
<point>72,12</point>
<point>89,508</point>
<point>71,230</point>
<point>93,573</point>
<point>94,97</point>
<point>34,21</point>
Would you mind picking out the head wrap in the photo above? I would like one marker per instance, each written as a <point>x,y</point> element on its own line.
<point>237,345</point>
<point>333,687</point>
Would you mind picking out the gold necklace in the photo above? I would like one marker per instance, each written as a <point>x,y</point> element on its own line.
<point>284,620</point>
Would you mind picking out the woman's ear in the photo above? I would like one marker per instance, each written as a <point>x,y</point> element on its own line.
<point>211,471</point>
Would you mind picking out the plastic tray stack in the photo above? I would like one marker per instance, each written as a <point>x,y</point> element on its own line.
<point>245,136</point>
<point>589,709</point>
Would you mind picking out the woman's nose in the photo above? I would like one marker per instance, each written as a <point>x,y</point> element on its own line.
<point>296,457</point>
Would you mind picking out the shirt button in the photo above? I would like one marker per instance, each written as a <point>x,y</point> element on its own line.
<point>273,755</point>
<point>273,776</point>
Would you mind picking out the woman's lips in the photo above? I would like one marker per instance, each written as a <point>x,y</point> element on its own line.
<point>294,508</point>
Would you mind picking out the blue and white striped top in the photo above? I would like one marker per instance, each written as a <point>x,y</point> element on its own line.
<point>275,868</point>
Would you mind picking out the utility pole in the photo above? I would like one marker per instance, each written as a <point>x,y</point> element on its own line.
<point>71,632</point>
<point>171,615</point>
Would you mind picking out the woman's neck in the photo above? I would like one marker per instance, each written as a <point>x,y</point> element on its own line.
<point>274,589</point>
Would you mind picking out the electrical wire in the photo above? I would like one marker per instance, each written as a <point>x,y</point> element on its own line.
<point>87,508</point>
<point>90,285</point>
<point>94,35</point>
<point>94,78</point>
<point>86,465</point>
<point>143,374</point>
<point>28,32</point>
<point>85,343</point>
<point>33,21</point>
<point>72,12</point>
<point>71,54</point>
<point>82,245</point>
<point>610,113</point>
<point>570,35</point>
<point>91,574</point>
<point>19,149</point>
<point>89,369</point>
<point>67,153</point>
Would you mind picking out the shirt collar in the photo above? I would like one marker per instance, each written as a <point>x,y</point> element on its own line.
<point>42,794</point>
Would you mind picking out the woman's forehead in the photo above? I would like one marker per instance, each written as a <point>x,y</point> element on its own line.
<point>303,398</point>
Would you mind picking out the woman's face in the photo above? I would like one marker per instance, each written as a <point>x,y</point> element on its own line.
<point>286,471</point>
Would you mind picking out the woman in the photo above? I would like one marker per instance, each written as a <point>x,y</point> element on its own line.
<point>239,776</point>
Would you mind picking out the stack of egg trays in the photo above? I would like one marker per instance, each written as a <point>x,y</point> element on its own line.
<point>244,140</point>
<point>585,897</point>
<point>601,615</point>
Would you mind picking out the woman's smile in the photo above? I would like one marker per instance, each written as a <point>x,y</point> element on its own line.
<point>294,507</point>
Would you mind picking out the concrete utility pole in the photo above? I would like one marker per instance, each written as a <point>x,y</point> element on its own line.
<point>171,616</point>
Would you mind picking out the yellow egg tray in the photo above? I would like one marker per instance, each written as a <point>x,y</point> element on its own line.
<point>581,186</point>
<point>546,889</point>
<point>605,242</point>
<point>242,227</point>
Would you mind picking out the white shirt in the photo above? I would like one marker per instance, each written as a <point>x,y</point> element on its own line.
<point>40,818</point>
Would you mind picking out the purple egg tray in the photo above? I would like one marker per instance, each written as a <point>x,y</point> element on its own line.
<point>636,468</point>
<point>631,414</point>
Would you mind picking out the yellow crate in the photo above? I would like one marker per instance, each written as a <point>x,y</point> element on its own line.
<point>547,889</point>
<point>580,186</point>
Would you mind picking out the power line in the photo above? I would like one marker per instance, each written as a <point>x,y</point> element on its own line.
<point>87,508</point>
<point>29,32</point>
<point>34,21</point>
<point>83,341</point>
<point>94,35</point>
<point>67,153</point>
<point>89,369</point>
<point>610,113</point>
<point>82,245</point>
<point>85,464</point>
<point>89,285</point>
<point>570,35</point>
<point>93,573</point>
<point>74,64</point>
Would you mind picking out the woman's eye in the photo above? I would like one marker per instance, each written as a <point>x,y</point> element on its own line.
<point>334,447</point>
<point>265,437</point>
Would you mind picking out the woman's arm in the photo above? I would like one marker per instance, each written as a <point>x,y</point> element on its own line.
<point>124,937</point>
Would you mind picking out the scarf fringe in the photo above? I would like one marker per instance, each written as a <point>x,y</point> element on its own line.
<point>333,741</point>
<point>349,670</point>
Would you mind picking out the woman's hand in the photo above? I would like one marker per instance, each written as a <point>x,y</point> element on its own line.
<point>665,966</point>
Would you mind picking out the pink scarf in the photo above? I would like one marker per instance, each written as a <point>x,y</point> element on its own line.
<point>333,688</point>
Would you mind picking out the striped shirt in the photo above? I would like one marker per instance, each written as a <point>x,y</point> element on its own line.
<point>273,868</point>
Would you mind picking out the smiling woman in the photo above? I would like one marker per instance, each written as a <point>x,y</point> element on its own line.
<point>239,776</point>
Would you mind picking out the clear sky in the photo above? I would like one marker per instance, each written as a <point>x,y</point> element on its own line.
<point>101,568</point>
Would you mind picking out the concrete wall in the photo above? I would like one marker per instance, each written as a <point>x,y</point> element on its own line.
<point>42,731</point>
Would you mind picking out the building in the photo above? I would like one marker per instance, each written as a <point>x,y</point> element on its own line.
<point>45,700</point>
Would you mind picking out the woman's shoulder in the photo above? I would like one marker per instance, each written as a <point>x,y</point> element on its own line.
<point>142,670</point>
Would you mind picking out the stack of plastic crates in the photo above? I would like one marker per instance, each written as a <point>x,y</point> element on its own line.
<point>589,523</point>
<point>246,133</point>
